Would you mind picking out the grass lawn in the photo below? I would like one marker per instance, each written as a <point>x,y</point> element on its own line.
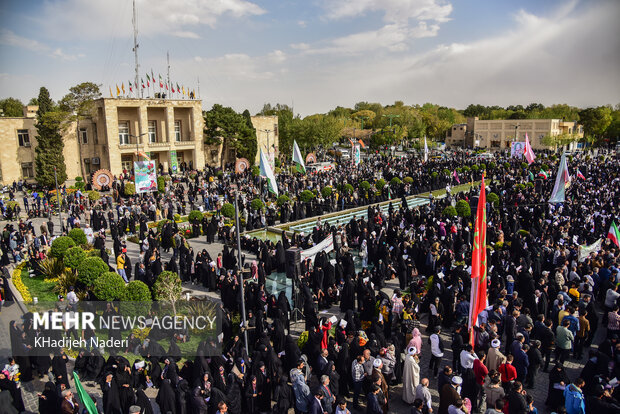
<point>38,287</point>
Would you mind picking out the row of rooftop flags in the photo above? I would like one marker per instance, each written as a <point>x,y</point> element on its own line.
<point>154,83</point>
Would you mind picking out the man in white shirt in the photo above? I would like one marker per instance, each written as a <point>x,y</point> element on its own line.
<point>436,351</point>
<point>467,358</point>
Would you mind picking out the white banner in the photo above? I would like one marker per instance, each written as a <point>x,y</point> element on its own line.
<point>584,251</point>
<point>517,149</point>
<point>327,245</point>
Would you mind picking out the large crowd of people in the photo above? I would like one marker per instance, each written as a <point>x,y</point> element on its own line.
<point>546,303</point>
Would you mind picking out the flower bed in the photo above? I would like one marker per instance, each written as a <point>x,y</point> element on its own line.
<point>19,285</point>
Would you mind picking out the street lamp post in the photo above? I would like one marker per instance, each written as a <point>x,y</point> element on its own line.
<point>59,201</point>
<point>240,273</point>
<point>391,116</point>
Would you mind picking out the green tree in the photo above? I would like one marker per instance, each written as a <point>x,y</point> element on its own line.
<point>50,145</point>
<point>79,104</point>
<point>11,107</point>
<point>595,120</point>
<point>247,142</point>
<point>168,288</point>
<point>285,118</point>
<point>223,124</point>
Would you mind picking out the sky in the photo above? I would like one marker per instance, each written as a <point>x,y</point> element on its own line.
<point>318,54</point>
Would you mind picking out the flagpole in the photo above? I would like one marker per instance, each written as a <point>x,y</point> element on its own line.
<point>240,273</point>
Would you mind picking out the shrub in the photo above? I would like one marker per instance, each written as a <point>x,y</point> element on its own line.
<point>90,269</point>
<point>326,191</point>
<point>493,199</point>
<point>520,186</point>
<point>78,236</point>
<point>530,185</point>
<point>379,184</point>
<point>365,186</point>
<point>466,169</point>
<point>475,168</point>
<point>228,210</point>
<point>482,167</point>
<point>130,189</point>
<point>94,195</point>
<point>347,189</point>
<point>459,170</point>
<point>60,246</point>
<point>446,172</point>
<point>306,196</point>
<point>109,286</point>
<point>277,162</point>
<point>463,209</point>
<point>177,217</point>
<point>449,211</point>
<point>161,184</point>
<point>79,184</point>
<point>545,167</point>
<point>523,232</point>
<point>507,165</point>
<point>395,181</point>
<point>73,257</point>
<point>255,171</point>
<point>434,175</point>
<point>491,166</point>
<point>195,216</point>
<point>283,199</point>
<point>524,165</point>
<point>277,170</point>
<point>137,291</point>
<point>193,176</point>
<point>257,204</point>
<point>408,180</point>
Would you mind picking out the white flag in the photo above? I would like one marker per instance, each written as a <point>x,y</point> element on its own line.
<point>265,171</point>
<point>425,150</point>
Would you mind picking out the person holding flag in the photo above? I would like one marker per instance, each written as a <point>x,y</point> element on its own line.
<point>297,158</point>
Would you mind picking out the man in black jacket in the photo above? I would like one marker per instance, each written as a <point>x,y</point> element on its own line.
<point>457,347</point>
<point>516,399</point>
<point>535,358</point>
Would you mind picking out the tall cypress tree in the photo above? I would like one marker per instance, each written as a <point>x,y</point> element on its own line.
<point>50,145</point>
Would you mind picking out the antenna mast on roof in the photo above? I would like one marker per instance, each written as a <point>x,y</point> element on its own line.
<point>134,21</point>
<point>168,80</point>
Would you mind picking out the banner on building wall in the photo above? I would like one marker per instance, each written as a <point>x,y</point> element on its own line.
<point>174,162</point>
<point>145,176</point>
<point>517,149</point>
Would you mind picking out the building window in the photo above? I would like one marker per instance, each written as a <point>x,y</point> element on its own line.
<point>27,170</point>
<point>23,137</point>
<point>152,132</point>
<point>83,135</point>
<point>495,144</point>
<point>177,131</point>
<point>123,133</point>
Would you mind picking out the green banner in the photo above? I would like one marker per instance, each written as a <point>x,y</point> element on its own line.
<point>174,162</point>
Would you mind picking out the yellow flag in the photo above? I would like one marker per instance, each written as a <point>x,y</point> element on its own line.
<point>111,94</point>
<point>183,89</point>
<point>118,91</point>
<point>123,87</point>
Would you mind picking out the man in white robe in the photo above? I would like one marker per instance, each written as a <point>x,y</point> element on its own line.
<point>411,375</point>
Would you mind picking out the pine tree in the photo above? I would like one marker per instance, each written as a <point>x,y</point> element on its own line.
<point>50,145</point>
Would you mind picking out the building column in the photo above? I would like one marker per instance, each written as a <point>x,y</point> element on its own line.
<point>169,124</point>
<point>196,134</point>
<point>143,126</point>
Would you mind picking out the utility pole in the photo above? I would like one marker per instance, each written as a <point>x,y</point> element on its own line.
<point>59,200</point>
<point>240,273</point>
<point>135,45</point>
<point>391,116</point>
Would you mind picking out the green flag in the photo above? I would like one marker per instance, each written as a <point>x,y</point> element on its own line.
<point>87,402</point>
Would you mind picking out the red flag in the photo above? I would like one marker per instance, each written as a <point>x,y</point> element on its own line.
<point>478,298</point>
<point>362,143</point>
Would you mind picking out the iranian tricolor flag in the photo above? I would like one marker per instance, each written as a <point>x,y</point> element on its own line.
<point>543,174</point>
<point>580,175</point>
<point>614,234</point>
